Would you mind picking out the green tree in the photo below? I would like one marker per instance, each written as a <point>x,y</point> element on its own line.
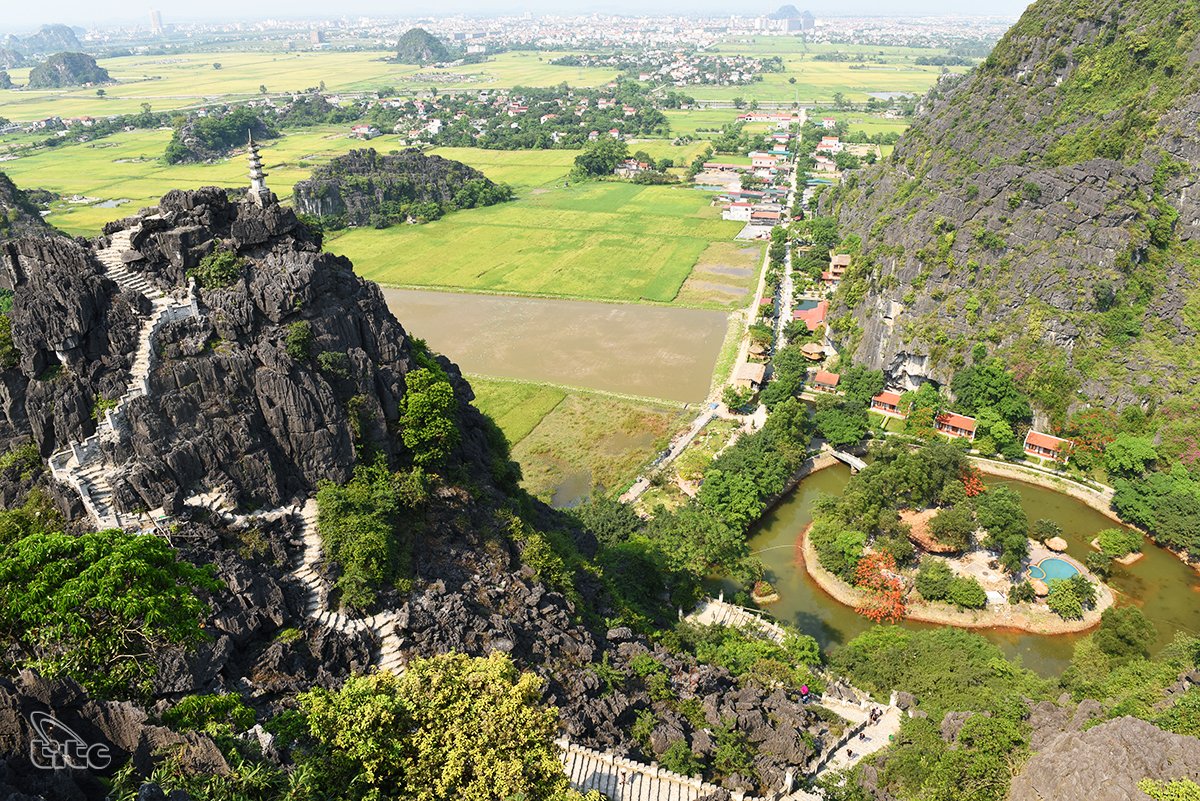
<point>1063,600</point>
<point>954,526</point>
<point>99,606</point>
<point>1129,455</point>
<point>1178,790</point>
<point>1125,632</point>
<point>1001,515</point>
<point>988,384</point>
<point>218,269</point>
<point>428,423</point>
<point>451,726</point>
<point>933,579</point>
<point>600,157</point>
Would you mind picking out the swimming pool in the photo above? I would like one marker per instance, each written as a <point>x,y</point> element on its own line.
<point>1052,568</point>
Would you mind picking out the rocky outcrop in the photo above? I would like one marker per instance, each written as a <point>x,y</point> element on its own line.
<point>48,39</point>
<point>1106,762</point>
<point>18,214</point>
<point>1028,209</point>
<point>67,69</point>
<point>366,188</point>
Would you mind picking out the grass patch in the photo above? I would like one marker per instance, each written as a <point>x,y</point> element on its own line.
<point>515,406</point>
<point>593,441</point>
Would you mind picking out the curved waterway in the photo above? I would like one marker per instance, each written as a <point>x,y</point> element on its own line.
<point>653,351</point>
<point>1167,590</point>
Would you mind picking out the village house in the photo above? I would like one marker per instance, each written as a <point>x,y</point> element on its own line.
<point>829,144</point>
<point>631,167</point>
<point>364,131</point>
<point>888,402</point>
<point>720,166</point>
<point>761,216</point>
<point>956,425</point>
<point>828,123</point>
<point>763,160</point>
<point>825,381</point>
<point>825,164</point>
<point>738,212</point>
<point>750,375</point>
<point>1047,446</point>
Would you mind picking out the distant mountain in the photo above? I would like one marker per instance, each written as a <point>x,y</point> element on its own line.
<point>50,39</point>
<point>787,12</point>
<point>419,46</point>
<point>5,80</point>
<point>67,69</point>
<point>10,58</point>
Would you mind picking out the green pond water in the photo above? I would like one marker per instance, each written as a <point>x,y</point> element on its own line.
<point>1167,590</point>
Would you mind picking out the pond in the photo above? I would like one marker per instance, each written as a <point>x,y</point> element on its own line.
<point>1167,590</point>
<point>653,351</point>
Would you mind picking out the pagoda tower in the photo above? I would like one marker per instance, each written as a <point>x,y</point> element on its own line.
<point>259,192</point>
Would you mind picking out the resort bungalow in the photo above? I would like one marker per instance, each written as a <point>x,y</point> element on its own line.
<point>813,352</point>
<point>1047,447</point>
<point>888,403</point>
<point>825,381</point>
<point>750,375</point>
<point>813,318</point>
<point>956,425</point>
<point>839,263</point>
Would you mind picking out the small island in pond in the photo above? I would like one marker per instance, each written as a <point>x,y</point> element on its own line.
<point>918,535</point>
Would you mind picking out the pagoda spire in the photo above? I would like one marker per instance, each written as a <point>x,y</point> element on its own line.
<point>259,192</point>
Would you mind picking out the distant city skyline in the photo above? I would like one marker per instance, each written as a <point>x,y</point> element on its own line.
<point>85,13</point>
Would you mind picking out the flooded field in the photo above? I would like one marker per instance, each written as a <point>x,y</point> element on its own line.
<point>654,351</point>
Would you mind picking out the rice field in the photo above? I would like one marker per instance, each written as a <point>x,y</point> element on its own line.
<point>608,241</point>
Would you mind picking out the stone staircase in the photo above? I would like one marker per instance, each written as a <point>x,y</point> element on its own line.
<point>718,611</point>
<point>82,465</point>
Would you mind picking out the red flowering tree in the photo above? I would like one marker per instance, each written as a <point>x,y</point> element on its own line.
<point>973,482</point>
<point>876,574</point>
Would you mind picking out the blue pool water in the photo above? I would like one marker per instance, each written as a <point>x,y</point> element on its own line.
<point>804,305</point>
<point>1052,569</point>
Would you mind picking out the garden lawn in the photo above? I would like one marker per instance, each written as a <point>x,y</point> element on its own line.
<point>600,240</point>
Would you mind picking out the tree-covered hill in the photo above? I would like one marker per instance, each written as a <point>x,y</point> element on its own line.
<point>1043,206</point>
<point>419,46</point>
<point>367,188</point>
<point>67,69</point>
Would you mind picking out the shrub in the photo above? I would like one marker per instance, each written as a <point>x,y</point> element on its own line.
<point>678,758</point>
<point>218,269</point>
<point>9,355</point>
<point>966,593</point>
<point>1117,542</point>
<point>299,340</point>
<point>1044,529</point>
<point>1021,593</point>
<point>334,362</point>
<point>1063,601</point>
<point>210,713</point>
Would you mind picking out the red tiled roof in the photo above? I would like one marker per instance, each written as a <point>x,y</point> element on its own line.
<point>827,379</point>
<point>957,421</point>
<point>1040,440</point>
<point>890,398</point>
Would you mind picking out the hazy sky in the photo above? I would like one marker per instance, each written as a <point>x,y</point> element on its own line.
<point>18,15</point>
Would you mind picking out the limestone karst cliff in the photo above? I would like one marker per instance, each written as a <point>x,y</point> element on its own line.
<point>1043,205</point>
